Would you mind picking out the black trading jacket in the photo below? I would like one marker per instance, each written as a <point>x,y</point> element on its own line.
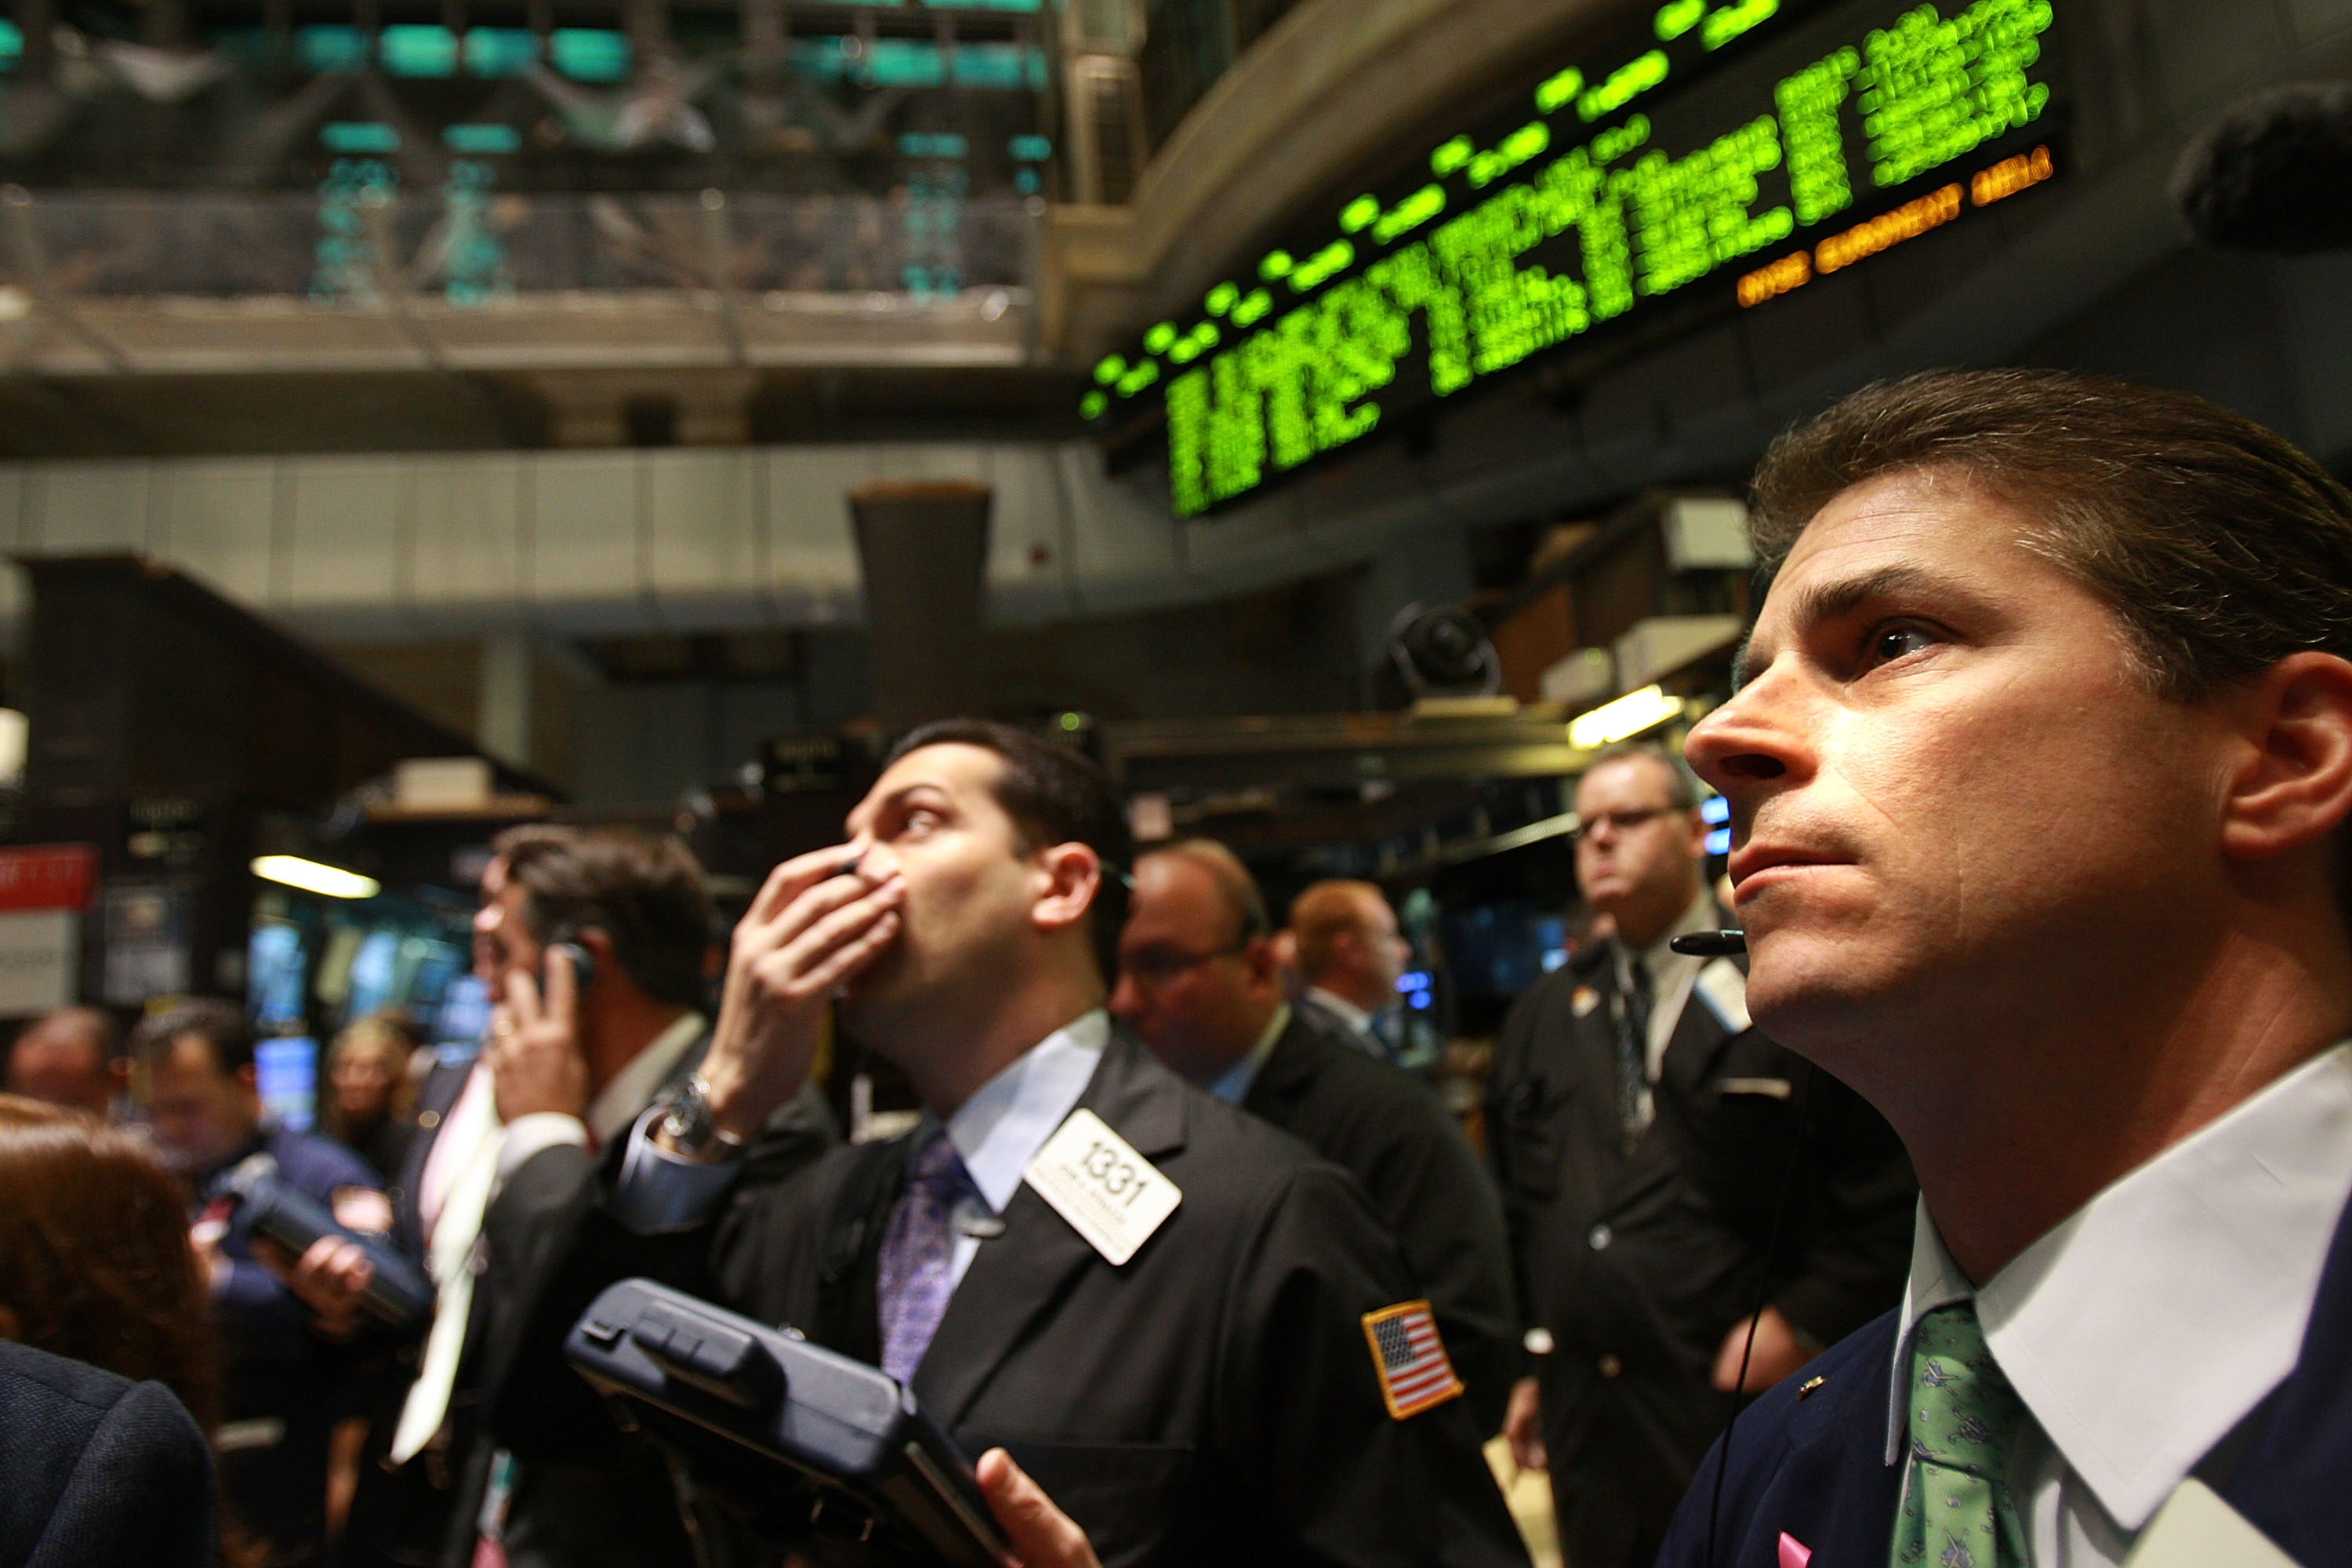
<point>1213,1401</point>
<point>1638,1265</point>
<point>1395,1137</point>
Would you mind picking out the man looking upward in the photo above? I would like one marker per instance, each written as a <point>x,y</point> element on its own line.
<point>1643,1133</point>
<point>1230,1379</point>
<point>2039,775</point>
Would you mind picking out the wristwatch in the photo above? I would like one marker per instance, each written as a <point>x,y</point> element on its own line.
<point>690,1129</point>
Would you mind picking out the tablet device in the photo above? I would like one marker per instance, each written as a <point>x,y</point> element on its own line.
<point>814,1451</point>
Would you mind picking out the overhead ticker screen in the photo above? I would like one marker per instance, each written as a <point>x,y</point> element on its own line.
<point>1617,192</point>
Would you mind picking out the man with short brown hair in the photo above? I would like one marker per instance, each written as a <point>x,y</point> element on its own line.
<point>1198,981</point>
<point>2039,773</point>
<point>1351,956</point>
<point>1666,1168</point>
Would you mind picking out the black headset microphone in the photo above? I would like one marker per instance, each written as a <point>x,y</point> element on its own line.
<point>1727,945</point>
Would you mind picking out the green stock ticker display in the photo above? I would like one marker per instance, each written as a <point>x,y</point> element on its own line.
<point>1621,191</point>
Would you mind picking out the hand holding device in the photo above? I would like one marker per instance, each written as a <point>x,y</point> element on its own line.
<point>395,1291</point>
<point>535,1054</point>
<point>815,1452</point>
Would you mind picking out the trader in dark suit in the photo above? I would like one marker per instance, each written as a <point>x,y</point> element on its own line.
<point>1350,954</point>
<point>528,1455</point>
<point>100,1470</point>
<point>1193,1333</point>
<point>288,1363</point>
<point>1650,1146</point>
<point>1198,981</point>
<point>2039,774</point>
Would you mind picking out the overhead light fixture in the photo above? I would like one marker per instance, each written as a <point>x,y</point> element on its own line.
<point>332,881</point>
<point>1623,719</point>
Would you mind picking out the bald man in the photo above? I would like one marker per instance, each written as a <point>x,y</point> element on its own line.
<point>68,1058</point>
<point>1199,982</point>
<point>1350,957</point>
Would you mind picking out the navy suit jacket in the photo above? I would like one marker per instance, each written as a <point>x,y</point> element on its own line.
<point>1814,1466</point>
<point>96,1470</point>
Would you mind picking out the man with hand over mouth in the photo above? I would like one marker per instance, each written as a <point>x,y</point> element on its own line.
<point>1222,1362</point>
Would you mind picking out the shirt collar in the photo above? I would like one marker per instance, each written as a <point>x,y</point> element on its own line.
<point>2156,1317</point>
<point>1000,1130</point>
<point>618,1103</point>
<point>1659,957</point>
<point>1234,1086</point>
<point>1347,1012</point>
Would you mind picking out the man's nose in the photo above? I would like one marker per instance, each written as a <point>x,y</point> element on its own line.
<point>1126,997</point>
<point>1749,741</point>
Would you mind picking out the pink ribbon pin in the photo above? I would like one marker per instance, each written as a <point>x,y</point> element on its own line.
<point>1794,1553</point>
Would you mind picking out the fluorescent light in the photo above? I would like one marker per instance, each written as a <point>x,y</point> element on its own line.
<point>1623,719</point>
<point>312,878</point>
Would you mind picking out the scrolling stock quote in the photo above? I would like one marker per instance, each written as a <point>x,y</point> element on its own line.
<point>1614,196</point>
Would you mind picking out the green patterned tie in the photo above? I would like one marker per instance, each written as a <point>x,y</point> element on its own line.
<point>1957,1510</point>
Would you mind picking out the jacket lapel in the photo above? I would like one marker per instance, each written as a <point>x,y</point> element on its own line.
<point>1287,1072</point>
<point>1018,1277</point>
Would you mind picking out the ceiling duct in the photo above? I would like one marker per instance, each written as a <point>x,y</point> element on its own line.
<point>924,549</point>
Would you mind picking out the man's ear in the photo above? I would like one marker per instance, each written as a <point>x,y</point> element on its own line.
<point>1069,876</point>
<point>598,945</point>
<point>2296,785</point>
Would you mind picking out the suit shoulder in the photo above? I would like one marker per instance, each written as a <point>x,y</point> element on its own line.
<point>1838,1397</point>
<point>321,1164</point>
<point>36,1386</point>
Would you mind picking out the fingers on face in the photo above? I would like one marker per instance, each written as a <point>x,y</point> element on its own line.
<point>834,946</point>
<point>563,996</point>
<point>794,877</point>
<point>823,900</point>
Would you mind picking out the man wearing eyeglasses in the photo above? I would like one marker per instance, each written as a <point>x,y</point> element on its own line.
<point>1199,982</point>
<point>1650,1144</point>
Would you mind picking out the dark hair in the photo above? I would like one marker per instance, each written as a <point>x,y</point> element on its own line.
<point>2221,546</point>
<point>220,1024</point>
<point>644,892</point>
<point>1055,794</point>
<point>1682,794</point>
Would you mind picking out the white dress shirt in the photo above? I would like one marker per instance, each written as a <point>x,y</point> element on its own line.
<point>2150,1324</point>
<point>997,1131</point>
<point>1233,1084</point>
<point>1672,977</point>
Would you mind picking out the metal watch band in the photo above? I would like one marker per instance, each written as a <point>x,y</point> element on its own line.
<point>691,1127</point>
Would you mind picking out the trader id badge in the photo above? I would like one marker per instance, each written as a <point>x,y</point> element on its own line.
<point>1094,1178</point>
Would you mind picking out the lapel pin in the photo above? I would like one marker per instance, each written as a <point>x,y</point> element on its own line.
<point>1805,1389</point>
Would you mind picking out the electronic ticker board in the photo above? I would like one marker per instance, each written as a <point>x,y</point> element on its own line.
<point>1739,141</point>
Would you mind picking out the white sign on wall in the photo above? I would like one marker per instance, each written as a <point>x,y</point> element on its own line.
<point>40,960</point>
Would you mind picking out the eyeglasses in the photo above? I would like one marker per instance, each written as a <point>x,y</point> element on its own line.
<point>1154,966</point>
<point>1622,821</point>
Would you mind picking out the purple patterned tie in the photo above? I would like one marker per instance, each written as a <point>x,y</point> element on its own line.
<point>918,1253</point>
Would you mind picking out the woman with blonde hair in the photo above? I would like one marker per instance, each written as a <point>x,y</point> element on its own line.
<point>370,1100</point>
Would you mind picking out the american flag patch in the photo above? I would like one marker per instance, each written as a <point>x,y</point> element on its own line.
<point>1409,1358</point>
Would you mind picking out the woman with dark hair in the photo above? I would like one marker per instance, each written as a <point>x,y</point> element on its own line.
<point>95,1260</point>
